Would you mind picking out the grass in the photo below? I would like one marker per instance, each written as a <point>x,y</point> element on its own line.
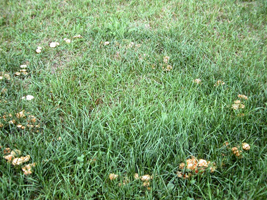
<point>112,108</point>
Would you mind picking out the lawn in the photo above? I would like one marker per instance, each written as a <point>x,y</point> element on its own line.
<point>133,99</point>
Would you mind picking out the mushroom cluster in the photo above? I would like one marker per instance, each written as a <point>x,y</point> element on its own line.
<point>23,70</point>
<point>145,179</point>
<point>31,120</point>
<point>4,75</point>
<point>13,157</point>
<point>219,82</point>
<point>237,150</point>
<point>238,104</point>
<point>195,166</point>
<point>166,66</point>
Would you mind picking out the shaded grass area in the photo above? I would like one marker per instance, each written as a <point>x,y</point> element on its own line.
<point>117,111</point>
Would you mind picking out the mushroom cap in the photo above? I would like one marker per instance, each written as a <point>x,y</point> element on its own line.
<point>235,106</point>
<point>242,96</point>
<point>198,81</point>
<point>237,101</point>
<point>38,50</point>
<point>202,163</point>
<point>234,149</point>
<point>136,176</point>
<point>146,177</point>
<point>23,66</point>
<point>181,166</point>
<point>113,176</point>
<point>245,146</point>
<point>53,44</point>
<point>191,164</point>
<point>28,97</point>
<point>19,161</point>
<point>8,157</point>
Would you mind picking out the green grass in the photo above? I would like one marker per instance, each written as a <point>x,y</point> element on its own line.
<point>115,104</point>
